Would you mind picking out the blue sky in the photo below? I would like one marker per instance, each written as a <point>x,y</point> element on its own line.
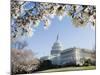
<point>70,36</point>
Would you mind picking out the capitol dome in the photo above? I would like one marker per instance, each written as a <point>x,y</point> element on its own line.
<point>57,47</point>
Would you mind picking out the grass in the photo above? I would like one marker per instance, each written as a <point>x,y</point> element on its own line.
<point>69,69</point>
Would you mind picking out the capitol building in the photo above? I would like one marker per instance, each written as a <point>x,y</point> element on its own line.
<point>70,56</point>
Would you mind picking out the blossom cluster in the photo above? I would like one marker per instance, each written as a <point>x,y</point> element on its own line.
<point>26,16</point>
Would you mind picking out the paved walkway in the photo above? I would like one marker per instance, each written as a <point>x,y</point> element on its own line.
<point>70,69</point>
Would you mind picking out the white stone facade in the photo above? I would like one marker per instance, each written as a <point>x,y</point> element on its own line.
<point>70,56</point>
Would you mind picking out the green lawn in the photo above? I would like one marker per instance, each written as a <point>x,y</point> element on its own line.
<point>70,69</point>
